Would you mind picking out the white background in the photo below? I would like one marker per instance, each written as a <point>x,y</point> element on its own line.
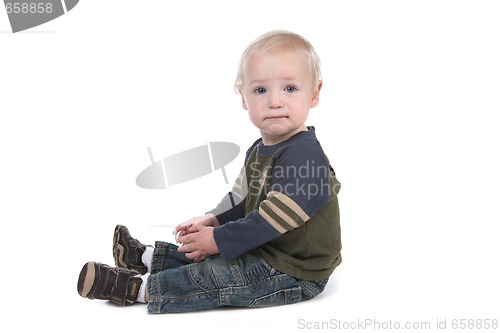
<point>408,116</point>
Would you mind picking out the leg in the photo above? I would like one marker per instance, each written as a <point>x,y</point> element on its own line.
<point>177,284</point>
<point>248,281</point>
<point>121,284</point>
<point>100,281</point>
<point>127,251</point>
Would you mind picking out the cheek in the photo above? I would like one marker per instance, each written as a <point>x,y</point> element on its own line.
<point>254,116</point>
<point>253,113</point>
<point>252,106</point>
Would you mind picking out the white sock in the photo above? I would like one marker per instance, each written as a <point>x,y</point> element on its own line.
<point>147,257</point>
<point>141,296</point>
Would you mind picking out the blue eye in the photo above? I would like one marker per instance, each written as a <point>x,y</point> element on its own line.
<point>260,91</point>
<point>290,89</point>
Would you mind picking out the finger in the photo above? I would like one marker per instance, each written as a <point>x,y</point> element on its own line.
<point>184,225</point>
<point>196,256</point>
<point>200,258</point>
<point>180,234</point>
<point>180,227</point>
<point>177,235</point>
<point>192,255</point>
<point>192,229</point>
<point>183,248</point>
<point>185,238</point>
<point>186,246</point>
<point>177,229</point>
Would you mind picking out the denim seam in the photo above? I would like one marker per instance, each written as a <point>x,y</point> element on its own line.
<point>235,267</point>
<point>304,286</point>
<point>287,295</point>
<point>218,286</point>
<point>194,280</point>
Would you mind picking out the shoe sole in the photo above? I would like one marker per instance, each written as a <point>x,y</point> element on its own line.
<point>87,279</point>
<point>118,250</point>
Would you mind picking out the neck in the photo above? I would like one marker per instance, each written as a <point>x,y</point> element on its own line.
<point>269,140</point>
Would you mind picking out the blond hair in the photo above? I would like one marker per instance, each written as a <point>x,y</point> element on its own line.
<point>280,40</point>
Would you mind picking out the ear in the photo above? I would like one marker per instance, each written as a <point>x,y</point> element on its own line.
<point>243,102</point>
<point>315,99</point>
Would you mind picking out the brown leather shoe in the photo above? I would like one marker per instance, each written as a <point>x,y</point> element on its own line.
<point>127,251</point>
<point>100,281</point>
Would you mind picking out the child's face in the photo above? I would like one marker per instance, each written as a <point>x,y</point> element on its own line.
<point>278,93</point>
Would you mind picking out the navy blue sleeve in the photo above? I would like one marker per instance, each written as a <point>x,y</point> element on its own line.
<point>237,237</point>
<point>229,209</point>
<point>299,188</point>
<point>301,174</point>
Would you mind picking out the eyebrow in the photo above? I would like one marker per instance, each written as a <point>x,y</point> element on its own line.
<point>284,79</point>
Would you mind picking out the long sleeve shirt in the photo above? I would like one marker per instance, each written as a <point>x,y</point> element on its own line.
<point>284,205</point>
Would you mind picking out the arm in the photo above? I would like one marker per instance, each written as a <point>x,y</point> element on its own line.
<point>231,206</point>
<point>299,188</point>
<point>228,210</point>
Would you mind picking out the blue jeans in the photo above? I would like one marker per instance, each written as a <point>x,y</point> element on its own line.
<point>177,284</point>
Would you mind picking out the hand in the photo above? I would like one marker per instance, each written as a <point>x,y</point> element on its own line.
<point>194,225</point>
<point>199,245</point>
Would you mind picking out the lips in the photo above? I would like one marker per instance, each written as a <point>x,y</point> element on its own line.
<point>276,117</point>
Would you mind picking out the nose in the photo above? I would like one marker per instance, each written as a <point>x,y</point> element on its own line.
<point>275,101</point>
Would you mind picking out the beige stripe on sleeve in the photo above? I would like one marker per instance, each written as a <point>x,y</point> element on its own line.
<point>281,212</point>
